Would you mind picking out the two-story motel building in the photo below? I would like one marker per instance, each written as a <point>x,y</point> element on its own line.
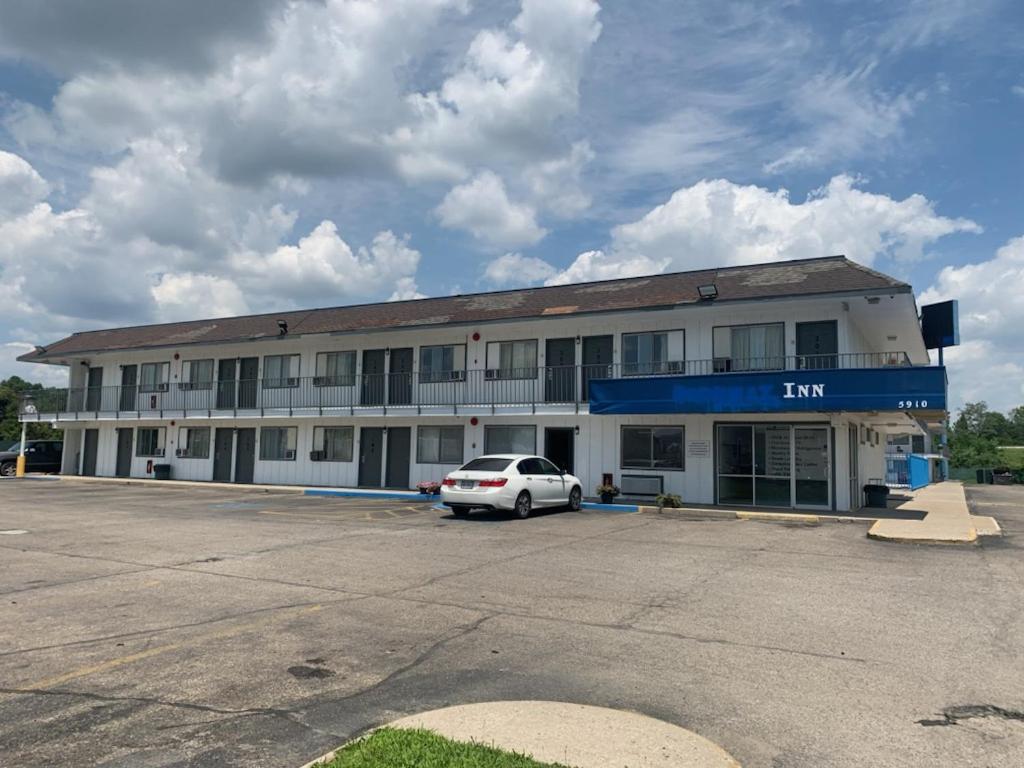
<point>769,385</point>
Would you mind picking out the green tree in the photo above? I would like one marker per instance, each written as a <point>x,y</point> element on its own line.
<point>12,391</point>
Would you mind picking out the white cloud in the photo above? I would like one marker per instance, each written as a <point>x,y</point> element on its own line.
<point>481,207</point>
<point>718,222</point>
<point>989,364</point>
<point>557,184</point>
<point>598,265</point>
<point>841,114</point>
<point>188,296</point>
<point>21,187</point>
<point>516,269</point>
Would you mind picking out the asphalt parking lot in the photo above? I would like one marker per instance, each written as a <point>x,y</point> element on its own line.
<point>165,626</point>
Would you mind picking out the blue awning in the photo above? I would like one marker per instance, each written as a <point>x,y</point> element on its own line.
<point>913,389</point>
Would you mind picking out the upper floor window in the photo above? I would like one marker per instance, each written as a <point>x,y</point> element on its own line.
<point>198,374</point>
<point>652,352</point>
<point>193,443</point>
<point>443,362</point>
<point>750,347</point>
<point>280,371</point>
<point>512,359</point>
<point>149,441</point>
<point>153,377</point>
<point>335,369</point>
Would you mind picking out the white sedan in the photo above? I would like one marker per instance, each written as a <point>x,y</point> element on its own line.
<point>510,482</point>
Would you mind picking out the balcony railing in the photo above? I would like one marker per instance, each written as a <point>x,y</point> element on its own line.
<point>551,385</point>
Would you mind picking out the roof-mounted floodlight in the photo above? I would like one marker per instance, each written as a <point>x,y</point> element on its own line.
<point>707,292</point>
<point>282,327</point>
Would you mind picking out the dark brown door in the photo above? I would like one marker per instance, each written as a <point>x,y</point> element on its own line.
<point>399,439</point>
<point>129,386</point>
<point>94,390</point>
<point>246,461</point>
<point>125,437</point>
<point>371,455</point>
<point>373,377</point>
<point>400,378</point>
<point>817,344</point>
<point>248,376</point>
<point>92,440</point>
<point>559,447</point>
<point>560,371</point>
<point>597,360</point>
<point>223,450</point>
<point>227,381</point>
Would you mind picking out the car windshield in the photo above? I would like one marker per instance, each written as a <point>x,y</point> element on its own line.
<point>487,465</point>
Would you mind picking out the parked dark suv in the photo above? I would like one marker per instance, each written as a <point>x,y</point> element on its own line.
<point>40,456</point>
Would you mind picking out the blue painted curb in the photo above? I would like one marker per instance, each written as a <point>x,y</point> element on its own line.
<point>371,495</point>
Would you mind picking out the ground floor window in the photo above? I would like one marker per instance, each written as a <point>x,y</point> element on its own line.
<point>652,447</point>
<point>277,443</point>
<point>333,443</point>
<point>510,439</point>
<point>774,465</point>
<point>439,445</point>
<point>149,441</point>
<point>194,442</point>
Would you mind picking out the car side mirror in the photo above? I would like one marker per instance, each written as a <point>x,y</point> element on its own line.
<point>561,472</point>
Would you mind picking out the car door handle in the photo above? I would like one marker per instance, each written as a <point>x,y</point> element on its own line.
<point>551,479</point>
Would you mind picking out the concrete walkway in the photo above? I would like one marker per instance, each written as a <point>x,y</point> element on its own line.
<point>948,520</point>
<point>574,735</point>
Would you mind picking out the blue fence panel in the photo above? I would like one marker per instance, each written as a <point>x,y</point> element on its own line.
<point>920,474</point>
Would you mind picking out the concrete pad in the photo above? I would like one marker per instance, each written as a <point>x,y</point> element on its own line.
<point>574,734</point>
<point>947,519</point>
<point>986,526</point>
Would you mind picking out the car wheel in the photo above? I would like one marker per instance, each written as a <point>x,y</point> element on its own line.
<point>523,505</point>
<point>460,511</point>
<point>575,499</point>
<point>8,469</point>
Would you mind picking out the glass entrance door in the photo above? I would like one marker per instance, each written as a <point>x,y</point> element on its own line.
<point>811,466</point>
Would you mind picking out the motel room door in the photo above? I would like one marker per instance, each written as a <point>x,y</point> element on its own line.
<point>399,447</point>
<point>125,437</point>
<point>223,450</point>
<point>597,360</point>
<point>817,344</point>
<point>246,460</point>
<point>371,456</point>
<point>560,371</point>
<point>92,440</point>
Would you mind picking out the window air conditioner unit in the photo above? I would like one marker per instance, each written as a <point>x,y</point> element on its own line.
<point>674,366</point>
<point>457,375</point>
<point>321,381</point>
<point>161,387</point>
<point>159,452</point>
<point>491,373</point>
<point>316,455</point>
<point>289,455</point>
<point>181,453</point>
<point>722,364</point>
<point>292,382</point>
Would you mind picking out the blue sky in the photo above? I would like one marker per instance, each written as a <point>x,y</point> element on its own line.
<point>201,159</point>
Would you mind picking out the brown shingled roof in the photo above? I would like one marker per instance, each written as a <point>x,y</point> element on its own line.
<point>831,274</point>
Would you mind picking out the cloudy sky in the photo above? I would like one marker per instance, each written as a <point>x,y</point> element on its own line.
<point>166,160</point>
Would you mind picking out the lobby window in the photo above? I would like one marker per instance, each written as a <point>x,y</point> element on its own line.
<point>149,441</point>
<point>439,445</point>
<point>277,443</point>
<point>193,443</point>
<point>153,377</point>
<point>280,371</point>
<point>335,369</point>
<point>510,439</point>
<point>652,447</point>
<point>749,347</point>
<point>333,443</point>
<point>512,359</point>
<point>443,362</point>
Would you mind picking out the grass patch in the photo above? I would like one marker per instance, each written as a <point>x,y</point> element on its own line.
<point>401,748</point>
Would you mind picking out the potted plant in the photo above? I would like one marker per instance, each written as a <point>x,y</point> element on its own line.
<point>607,492</point>
<point>429,487</point>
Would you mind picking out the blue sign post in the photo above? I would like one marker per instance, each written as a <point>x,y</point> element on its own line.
<point>835,389</point>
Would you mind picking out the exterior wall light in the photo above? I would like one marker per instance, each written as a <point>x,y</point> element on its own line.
<point>707,292</point>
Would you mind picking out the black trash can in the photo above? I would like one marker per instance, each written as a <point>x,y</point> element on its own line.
<point>162,471</point>
<point>876,496</point>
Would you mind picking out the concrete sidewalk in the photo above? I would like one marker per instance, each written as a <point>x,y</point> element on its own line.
<point>571,734</point>
<point>948,520</point>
